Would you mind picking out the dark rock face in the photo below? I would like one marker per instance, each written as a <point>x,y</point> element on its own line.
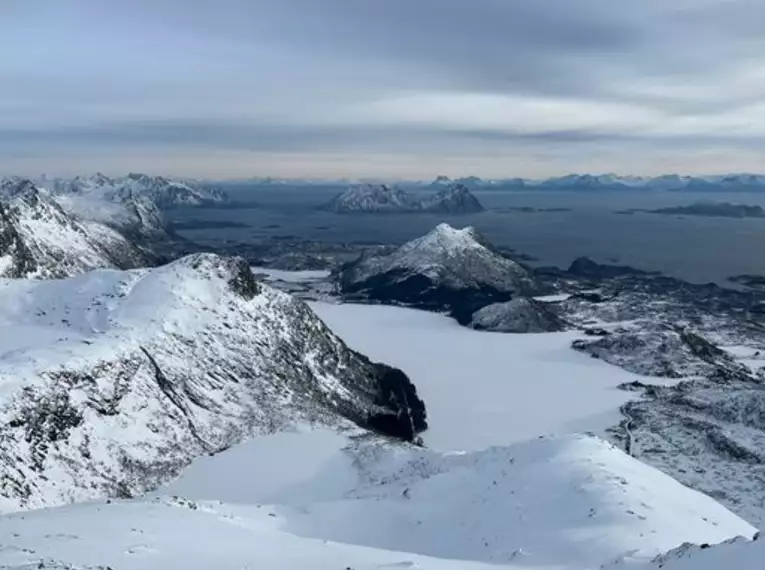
<point>422,292</point>
<point>520,315</point>
<point>405,416</point>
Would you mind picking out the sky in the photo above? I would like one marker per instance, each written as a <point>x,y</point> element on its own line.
<point>387,88</point>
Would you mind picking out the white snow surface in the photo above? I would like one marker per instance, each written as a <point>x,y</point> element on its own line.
<point>573,502</point>
<point>484,388</point>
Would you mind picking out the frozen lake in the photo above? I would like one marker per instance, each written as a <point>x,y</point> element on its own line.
<point>483,389</point>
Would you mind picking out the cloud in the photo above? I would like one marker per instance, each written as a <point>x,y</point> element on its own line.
<point>560,83</point>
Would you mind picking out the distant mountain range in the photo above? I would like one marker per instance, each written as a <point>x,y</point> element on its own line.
<point>382,199</point>
<point>162,191</point>
<point>669,182</point>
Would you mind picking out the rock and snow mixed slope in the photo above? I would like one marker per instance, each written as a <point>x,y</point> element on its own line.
<point>38,239</point>
<point>162,191</point>
<point>521,315</point>
<point>568,503</point>
<point>447,269</point>
<point>382,199</point>
<point>113,381</point>
<point>707,430</point>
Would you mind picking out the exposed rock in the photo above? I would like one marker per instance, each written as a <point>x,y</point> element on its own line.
<point>521,315</point>
<point>664,352</point>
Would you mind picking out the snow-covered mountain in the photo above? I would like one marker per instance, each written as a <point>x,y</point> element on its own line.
<point>369,198</point>
<point>113,381</point>
<point>321,500</point>
<point>447,269</point>
<point>162,191</point>
<point>38,239</point>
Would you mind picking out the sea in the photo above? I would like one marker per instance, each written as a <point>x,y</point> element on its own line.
<point>552,227</point>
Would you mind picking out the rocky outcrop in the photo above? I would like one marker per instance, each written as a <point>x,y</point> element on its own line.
<point>520,315</point>
<point>663,351</point>
<point>445,270</point>
<point>114,381</point>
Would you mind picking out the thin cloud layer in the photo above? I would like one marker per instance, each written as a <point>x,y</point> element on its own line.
<point>343,87</point>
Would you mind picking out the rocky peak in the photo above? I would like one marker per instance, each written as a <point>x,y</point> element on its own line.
<point>456,199</point>
<point>447,269</point>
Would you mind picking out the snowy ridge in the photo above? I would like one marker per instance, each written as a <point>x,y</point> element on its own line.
<point>370,198</point>
<point>113,381</point>
<point>38,239</point>
<point>567,503</point>
<point>162,191</point>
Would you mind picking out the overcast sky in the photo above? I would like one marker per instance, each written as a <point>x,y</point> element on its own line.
<point>394,88</point>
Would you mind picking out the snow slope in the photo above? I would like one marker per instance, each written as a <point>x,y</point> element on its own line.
<point>565,503</point>
<point>113,381</point>
<point>486,388</point>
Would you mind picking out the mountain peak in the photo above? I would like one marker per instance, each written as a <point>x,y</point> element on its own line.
<point>17,186</point>
<point>447,269</point>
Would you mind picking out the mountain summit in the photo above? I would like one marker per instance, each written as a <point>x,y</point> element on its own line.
<point>447,269</point>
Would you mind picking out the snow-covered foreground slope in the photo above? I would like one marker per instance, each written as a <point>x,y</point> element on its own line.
<point>113,381</point>
<point>320,500</point>
<point>486,388</point>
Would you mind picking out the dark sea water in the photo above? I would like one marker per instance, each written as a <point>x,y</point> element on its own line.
<point>698,249</point>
